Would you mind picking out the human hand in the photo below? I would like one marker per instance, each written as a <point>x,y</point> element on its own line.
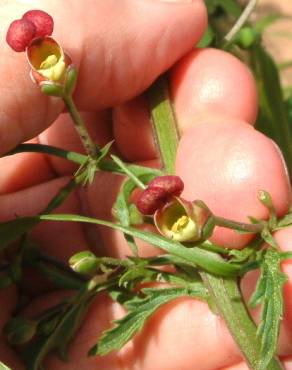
<point>184,333</point>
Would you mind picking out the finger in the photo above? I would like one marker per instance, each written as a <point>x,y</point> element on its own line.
<point>211,80</point>
<point>157,345</point>
<point>120,47</point>
<point>62,134</point>
<point>158,342</point>
<point>23,170</point>
<point>60,240</point>
<point>204,82</point>
<point>287,363</point>
<point>132,130</point>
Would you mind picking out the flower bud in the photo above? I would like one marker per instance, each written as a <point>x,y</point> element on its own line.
<point>247,37</point>
<point>183,221</point>
<point>84,262</point>
<point>266,199</point>
<point>20,330</point>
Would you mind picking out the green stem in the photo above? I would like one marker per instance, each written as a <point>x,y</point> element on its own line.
<point>89,145</point>
<point>128,172</point>
<point>51,150</point>
<point>61,196</point>
<point>61,266</point>
<point>164,125</point>
<point>241,20</point>
<point>239,226</point>
<point>225,291</point>
<point>80,159</point>
<point>228,299</point>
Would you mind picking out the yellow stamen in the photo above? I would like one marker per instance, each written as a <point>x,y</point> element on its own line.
<point>180,224</point>
<point>53,68</point>
<point>49,62</point>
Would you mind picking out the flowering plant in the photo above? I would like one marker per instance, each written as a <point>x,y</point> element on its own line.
<point>202,254</point>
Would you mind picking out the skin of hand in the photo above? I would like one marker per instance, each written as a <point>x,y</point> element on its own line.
<point>120,47</point>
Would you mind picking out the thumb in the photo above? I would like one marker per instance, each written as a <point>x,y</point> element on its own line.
<point>120,48</point>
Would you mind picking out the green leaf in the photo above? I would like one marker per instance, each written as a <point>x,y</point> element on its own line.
<point>196,256</point>
<point>285,221</point>
<point>139,310</point>
<point>207,38</point>
<point>61,196</point>
<point>50,150</point>
<point>122,204</point>
<point>60,278</point>
<point>163,122</point>
<point>273,118</point>
<point>126,170</point>
<point>240,256</point>
<point>229,6</point>
<point>20,330</point>
<point>14,229</point>
<point>268,238</point>
<point>4,367</point>
<point>269,292</point>
<point>59,338</point>
<point>137,273</point>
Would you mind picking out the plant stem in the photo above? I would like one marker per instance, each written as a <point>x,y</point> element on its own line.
<point>61,196</point>
<point>88,144</point>
<point>163,122</point>
<point>51,150</point>
<point>61,266</point>
<point>239,226</point>
<point>80,159</point>
<point>128,172</point>
<point>225,291</point>
<point>228,300</point>
<point>241,20</point>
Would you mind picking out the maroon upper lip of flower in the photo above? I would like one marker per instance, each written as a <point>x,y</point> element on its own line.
<point>173,185</point>
<point>159,192</point>
<point>33,24</point>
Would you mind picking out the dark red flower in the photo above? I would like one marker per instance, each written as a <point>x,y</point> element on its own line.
<point>34,24</point>
<point>43,22</point>
<point>158,192</point>
<point>173,185</point>
<point>20,34</point>
<point>151,199</point>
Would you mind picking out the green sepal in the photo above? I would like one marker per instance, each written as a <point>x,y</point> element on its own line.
<point>52,89</point>
<point>71,79</point>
